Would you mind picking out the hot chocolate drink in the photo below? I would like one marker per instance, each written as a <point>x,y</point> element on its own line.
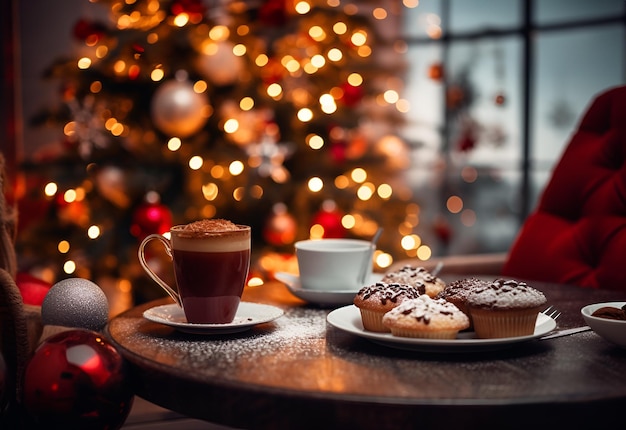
<point>211,260</point>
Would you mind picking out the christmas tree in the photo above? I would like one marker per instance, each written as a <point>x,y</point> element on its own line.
<point>279,114</point>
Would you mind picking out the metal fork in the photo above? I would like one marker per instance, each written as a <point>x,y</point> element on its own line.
<point>551,312</point>
<point>554,314</point>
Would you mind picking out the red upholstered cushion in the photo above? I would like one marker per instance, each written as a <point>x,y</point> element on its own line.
<point>577,233</point>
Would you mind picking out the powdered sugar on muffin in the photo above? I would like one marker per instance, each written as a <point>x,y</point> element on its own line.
<point>417,277</point>
<point>375,300</point>
<point>424,317</point>
<point>506,294</point>
<point>505,308</point>
<point>458,291</point>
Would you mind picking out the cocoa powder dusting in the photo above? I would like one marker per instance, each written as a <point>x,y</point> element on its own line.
<point>210,225</point>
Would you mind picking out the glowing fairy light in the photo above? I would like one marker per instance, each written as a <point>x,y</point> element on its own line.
<point>95,87</point>
<point>84,63</point>
<point>384,191</point>
<point>291,64</point>
<point>424,252</point>
<point>50,189</point>
<point>342,182</point>
<point>69,267</point>
<point>305,114</point>
<point>200,87</point>
<point>327,103</point>
<point>255,281</point>
<point>261,60</point>
<point>315,184</point>
<point>391,96</point>
<point>454,204</point>
<point>365,192</point>
<point>315,141</point>
<point>181,19</point>
<point>348,221</point>
<point>318,61</point>
<point>383,260</point>
<point>239,50</point>
<point>355,79</point>
<point>409,242</point>
<point>119,67</point>
<point>157,74</point>
<point>210,191</point>
<point>340,28</point>
<point>231,125</point>
<point>218,171</point>
<point>358,175</point>
<point>174,144</point>
<point>302,7</point>
<point>69,196</point>
<point>63,247</point>
<point>359,38</point>
<point>317,33</point>
<point>236,168</point>
<point>93,232</point>
<point>334,54</point>
<point>379,13</point>
<point>246,103</point>
<point>316,231</point>
<point>219,33</point>
<point>195,162</point>
<point>239,193</point>
<point>274,90</point>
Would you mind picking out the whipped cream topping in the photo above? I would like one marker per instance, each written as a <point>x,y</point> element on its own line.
<point>505,294</point>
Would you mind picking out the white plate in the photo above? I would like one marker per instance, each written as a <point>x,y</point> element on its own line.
<point>248,315</point>
<point>348,318</point>
<point>320,297</point>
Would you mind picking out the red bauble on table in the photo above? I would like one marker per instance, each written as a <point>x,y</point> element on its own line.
<point>77,379</point>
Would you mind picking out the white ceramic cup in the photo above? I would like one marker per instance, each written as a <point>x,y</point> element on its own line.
<point>334,264</point>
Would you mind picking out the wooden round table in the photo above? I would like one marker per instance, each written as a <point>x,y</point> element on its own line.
<point>300,372</point>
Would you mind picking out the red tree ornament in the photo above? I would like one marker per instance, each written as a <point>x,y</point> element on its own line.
<point>280,227</point>
<point>151,218</point>
<point>273,13</point>
<point>85,29</point>
<point>436,72</point>
<point>76,379</point>
<point>330,220</point>
<point>351,95</point>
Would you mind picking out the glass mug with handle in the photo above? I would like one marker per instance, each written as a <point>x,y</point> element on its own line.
<point>211,260</point>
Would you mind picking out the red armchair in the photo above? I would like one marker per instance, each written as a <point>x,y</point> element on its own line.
<point>577,233</point>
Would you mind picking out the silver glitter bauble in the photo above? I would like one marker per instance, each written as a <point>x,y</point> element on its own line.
<point>177,110</point>
<point>75,302</point>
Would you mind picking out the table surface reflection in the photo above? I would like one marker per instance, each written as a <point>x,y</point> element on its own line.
<point>298,371</point>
